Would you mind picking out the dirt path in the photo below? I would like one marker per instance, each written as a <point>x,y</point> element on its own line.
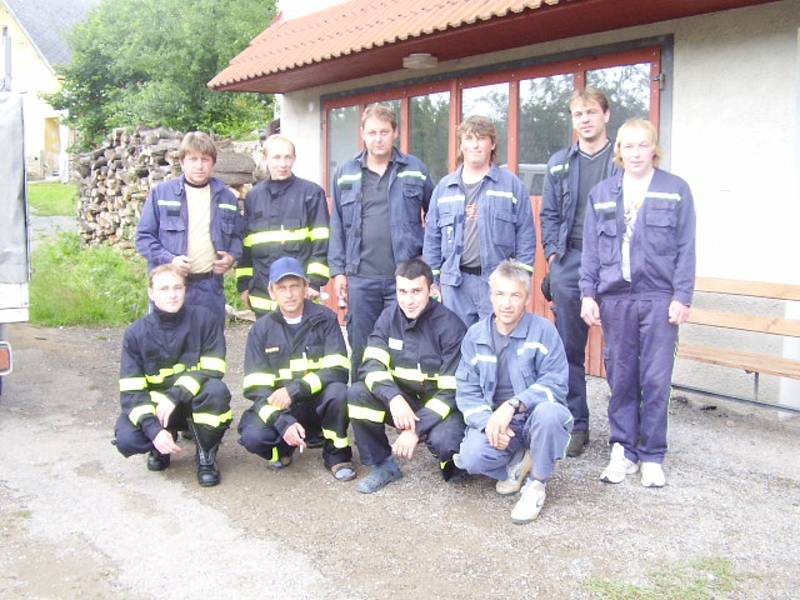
<point>78,520</point>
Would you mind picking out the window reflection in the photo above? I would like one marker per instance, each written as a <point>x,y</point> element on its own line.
<point>628,92</point>
<point>430,124</point>
<point>343,126</point>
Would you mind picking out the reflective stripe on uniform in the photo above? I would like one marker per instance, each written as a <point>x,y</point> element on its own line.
<point>409,374</point>
<point>256,379</point>
<point>437,406</point>
<point>445,382</point>
<point>276,236</point>
<point>313,381</point>
<point>338,442</point>
<point>417,174</point>
<point>169,202</point>
<point>335,360</point>
<point>477,409</point>
<point>132,384</point>
<point>527,267</point>
<point>365,414</point>
<point>243,272</point>
<point>260,303</point>
<point>204,418</point>
<point>166,372</point>
<point>500,194</point>
<point>537,387</point>
<point>317,268</point>
<point>319,233</point>
<point>453,198</point>
<point>266,412</point>
<point>601,206</point>
<point>232,207</point>
<point>664,196</point>
<point>139,411</point>
<point>557,168</point>
<point>375,376</point>
<point>490,358</point>
<point>212,363</point>
<point>379,354</point>
<point>190,383</point>
<point>158,397</point>
<point>532,346</point>
<point>348,178</point>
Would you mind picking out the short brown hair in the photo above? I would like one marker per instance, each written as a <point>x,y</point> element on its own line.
<point>589,94</point>
<point>480,126</point>
<point>197,141</point>
<point>647,127</point>
<point>381,112</point>
<point>161,269</point>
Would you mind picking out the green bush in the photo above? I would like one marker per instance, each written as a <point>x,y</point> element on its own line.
<point>53,199</point>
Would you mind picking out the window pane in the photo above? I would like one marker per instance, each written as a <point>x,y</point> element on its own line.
<point>343,125</point>
<point>628,92</point>
<point>544,125</point>
<point>430,126</point>
<point>490,101</point>
<point>395,106</point>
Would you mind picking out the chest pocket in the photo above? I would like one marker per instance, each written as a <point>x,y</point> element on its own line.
<point>503,228</point>
<point>607,243</point>
<point>447,226</point>
<point>349,203</point>
<point>661,222</point>
<point>412,202</point>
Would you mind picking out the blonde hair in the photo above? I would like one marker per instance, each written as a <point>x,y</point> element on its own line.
<point>648,128</point>
<point>277,137</point>
<point>165,268</point>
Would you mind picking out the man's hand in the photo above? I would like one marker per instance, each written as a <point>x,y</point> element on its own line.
<point>164,411</point>
<point>402,415</point>
<point>590,312</point>
<point>223,263</point>
<point>245,296</point>
<point>405,444</point>
<point>295,435</point>
<point>183,263</point>
<point>311,293</point>
<point>340,286</point>
<point>498,432</point>
<point>678,313</point>
<point>280,399</point>
<point>165,444</point>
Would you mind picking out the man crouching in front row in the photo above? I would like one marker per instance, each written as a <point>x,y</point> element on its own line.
<point>512,387</point>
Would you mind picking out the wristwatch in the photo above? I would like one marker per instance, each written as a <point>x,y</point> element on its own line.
<point>514,403</point>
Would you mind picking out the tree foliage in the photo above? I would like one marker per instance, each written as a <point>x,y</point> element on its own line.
<point>147,62</point>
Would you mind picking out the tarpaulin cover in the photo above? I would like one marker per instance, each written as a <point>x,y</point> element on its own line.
<point>13,209</point>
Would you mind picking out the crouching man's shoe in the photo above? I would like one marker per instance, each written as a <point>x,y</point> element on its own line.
<point>380,476</point>
<point>157,461</point>
<point>577,443</point>
<point>207,470</point>
<point>530,502</point>
<point>517,471</point>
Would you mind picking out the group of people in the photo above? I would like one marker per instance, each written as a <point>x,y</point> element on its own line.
<point>488,387</point>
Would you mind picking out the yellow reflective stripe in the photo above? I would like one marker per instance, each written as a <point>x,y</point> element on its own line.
<point>477,409</point>
<point>228,207</point>
<point>319,233</point>
<point>365,414</point>
<point>374,377</point>
<point>212,363</point>
<point>158,397</point>
<point>243,272</point>
<point>527,267</point>
<point>533,346</point>
<point>335,360</point>
<point>262,303</point>
<point>204,418</point>
<point>313,381</point>
<point>500,194</point>
<point>446,382</point>
<point>439,407</point>
<point>299,364</point>
<point>537,387</point>
<point>409,374</point>
<point>166,372</point>
<point>348,178</point>
<point>442,465</point>
<point>132,384</point>
<point>190,383</point>
<point>139,411</point>
<point>379,354</point>
<point>285,374</point>
<point>338,442</point>
<point>275,456</point>
<point>256,379</point>
<point>454,198</point>
<point>277,236</point>
<point>266,412</point>
<point>483,358</point>
<point>315,268</point>
<point>417,174</point>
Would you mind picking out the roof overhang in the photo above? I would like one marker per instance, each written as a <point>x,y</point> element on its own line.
<point>556,19</point>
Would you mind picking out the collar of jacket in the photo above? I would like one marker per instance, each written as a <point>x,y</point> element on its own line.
<point>213,182</point>
<point>412,323</point>
<point>311,313</point>
<point>519,332</point>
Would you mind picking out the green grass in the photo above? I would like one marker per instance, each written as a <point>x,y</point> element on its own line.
<point>53,199</point>
<point>700,580</point>
<point>72,285</point>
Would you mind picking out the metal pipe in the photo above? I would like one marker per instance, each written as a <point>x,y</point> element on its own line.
<point>687,388</point>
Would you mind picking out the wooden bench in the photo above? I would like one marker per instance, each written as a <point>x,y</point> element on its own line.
<point>738,359</point>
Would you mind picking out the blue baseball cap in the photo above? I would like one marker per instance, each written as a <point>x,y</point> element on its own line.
<point>286,266</point>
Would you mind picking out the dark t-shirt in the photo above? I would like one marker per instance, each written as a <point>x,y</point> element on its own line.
<point>591,171</point>
<point>471,256</point>
<point>504,389</point>
<point>377,256</point>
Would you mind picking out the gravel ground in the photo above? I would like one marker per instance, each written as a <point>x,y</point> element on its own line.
<point>78,520</point>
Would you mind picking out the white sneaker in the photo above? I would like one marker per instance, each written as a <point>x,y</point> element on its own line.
<point>517,471</point>
<point>530,503</point>
<point>653,475</point>
<point>618,466</point>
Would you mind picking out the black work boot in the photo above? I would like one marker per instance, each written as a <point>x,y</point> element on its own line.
<point>207,470</point>
<point>157,461</point>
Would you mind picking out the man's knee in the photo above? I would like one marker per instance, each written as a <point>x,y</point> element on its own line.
<point>445,438</point>
<point>551,415</point>
<point>477,455</point>
<point>130,439</point>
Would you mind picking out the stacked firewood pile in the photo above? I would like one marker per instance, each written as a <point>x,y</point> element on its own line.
<point>114,179</point>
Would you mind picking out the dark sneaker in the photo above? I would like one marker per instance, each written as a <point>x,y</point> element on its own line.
<point>577,443</point>
<point>380,476</point>
<point>157,461</point>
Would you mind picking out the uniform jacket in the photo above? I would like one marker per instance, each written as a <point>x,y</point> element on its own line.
<point>294,223</point>
<point>536,360</point>
<point>303,363</point>
<point>560,200</point>
<point>410,189</point>
<point>505,222</point>
<point>170,355</point>
<point>662,248</point>
<point>416,357</point>
<point>162,234</point>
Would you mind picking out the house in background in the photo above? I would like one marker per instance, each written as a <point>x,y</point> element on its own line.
<point>33,43</point>
<point>719,78</point>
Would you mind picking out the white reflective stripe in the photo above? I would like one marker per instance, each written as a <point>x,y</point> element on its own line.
<point>257,379</point>
<point>313,381</point>
<point>365,414</point>
<point>266,412</point>
<point>483,358</point>
<point>533,346</point>
<point>540,388</point>
<point>169,202</point>
<point>348,178</point>
<point>379,354</point>
<point>522,265</point>
<point>556,168</point>
<point>436,271</point>
<point>439,407</point>
<point>338,442</point>
<point>190,383</point>
<point>203,418</point>
<point>417,174</point>
<point>229,207</point>
<point>664,196</point>
<point>501,194</point>
<point>477,409</point>
<point>605,205</point>
<point>212,363</point>
<point>445,199</point>
<point>372,378</point>
<point>319,233</point>
<point>132,384</point>
<point>446,382</point>
<point>409,374</point>
<point>140,411</point>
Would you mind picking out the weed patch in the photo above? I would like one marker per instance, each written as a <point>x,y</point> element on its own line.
<point>53,199</point>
